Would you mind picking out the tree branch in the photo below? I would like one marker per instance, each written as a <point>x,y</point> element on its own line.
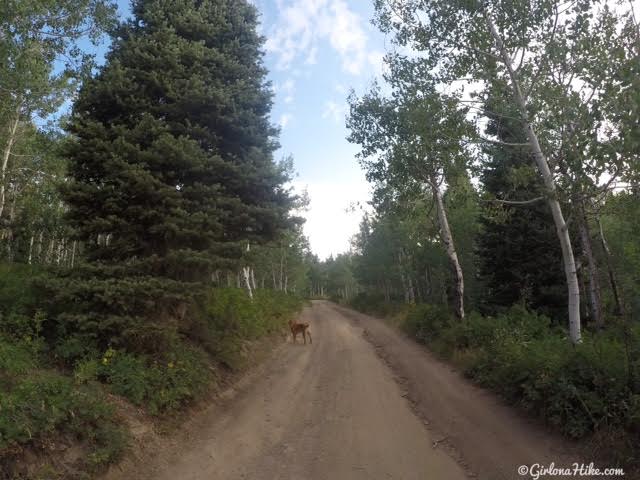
<point>513,202</point>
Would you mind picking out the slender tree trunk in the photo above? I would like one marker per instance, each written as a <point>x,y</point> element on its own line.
<point>73,253</point>
<point>412,292</point>
<point>50,250</point>
<point>568,259</point>
<point>11,139</point>
<point>595,302</point>
<point>286,281</point>
<point>253,280</point>
<point>39,247</point>
<point>405,289</point>
<point>247,276</point>
<point>619,309</point>
<point>429,289</point>
<point>30,250</point>
<point>59,252</point>
<point>282,268</point>
<point>447,240</point>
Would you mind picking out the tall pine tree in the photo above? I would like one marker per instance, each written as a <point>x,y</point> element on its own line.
<point>519,255</point>
<point>171,167</point>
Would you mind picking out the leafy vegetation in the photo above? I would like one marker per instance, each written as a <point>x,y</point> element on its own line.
<point>139,234</point>
<point>150,236</point>
<point>41,407</point>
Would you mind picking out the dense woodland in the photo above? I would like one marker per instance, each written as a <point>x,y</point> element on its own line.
<point>503,150</point>
<point>148,235</point>
<point>148,231</point>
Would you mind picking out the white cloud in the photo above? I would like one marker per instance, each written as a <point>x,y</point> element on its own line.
<point>285,119</point>
<point>312,58</point>
<point>330,222</point>
<point>302,24</point>
<point>287,88</point>
<point>335,111</point>
<point>341,89</point>
<point>375,59</point>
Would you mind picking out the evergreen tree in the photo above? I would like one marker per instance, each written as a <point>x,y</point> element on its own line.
<point>517,245</point>
<point>172,171</point>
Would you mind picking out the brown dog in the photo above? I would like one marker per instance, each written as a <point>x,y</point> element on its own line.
<point>300,328</point>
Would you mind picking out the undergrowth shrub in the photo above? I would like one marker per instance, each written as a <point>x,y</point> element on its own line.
<point>375,304</point>
<point>161,384</point>
<point>41,405</point>
<point>228,319</point>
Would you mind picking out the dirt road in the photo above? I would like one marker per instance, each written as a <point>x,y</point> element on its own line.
<point>362,402</point>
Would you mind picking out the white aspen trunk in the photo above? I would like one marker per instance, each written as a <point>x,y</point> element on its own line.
<point>59,252</point>
<point>412,292</point>
<point>573,288</point>
<point>253,279</point>
<point>11,139</point>
<point>246,274</point>
<point>447,239</point>
<point>405,290</point>
<point>30,250</point>
<point>39,247</point>
<point>9,238</point>
<point>73,253</point>
<point>281,268</point>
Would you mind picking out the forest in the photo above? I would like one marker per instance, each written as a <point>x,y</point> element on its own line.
<point>502,148</point>
<point>149,236</point>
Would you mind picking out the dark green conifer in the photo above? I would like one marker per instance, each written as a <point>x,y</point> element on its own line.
<point>518,250</point>
<point>171,167</point>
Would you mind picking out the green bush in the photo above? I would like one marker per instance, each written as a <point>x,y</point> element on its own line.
<point>375,304</point>
<point>42,404</point>
<point>426,323</point>
<point>160,384</point>
<point>228,319</point>
<point>16,288</point>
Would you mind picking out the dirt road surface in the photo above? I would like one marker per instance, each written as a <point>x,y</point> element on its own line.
<point>362,402</point>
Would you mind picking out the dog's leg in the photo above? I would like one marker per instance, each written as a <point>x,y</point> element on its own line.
<point>310,339</point>
<point>304,335</point>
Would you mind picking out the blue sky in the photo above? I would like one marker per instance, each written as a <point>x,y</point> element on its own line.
<point>316,50</point>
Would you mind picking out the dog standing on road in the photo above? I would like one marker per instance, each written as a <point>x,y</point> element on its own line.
<point>300,328</point>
